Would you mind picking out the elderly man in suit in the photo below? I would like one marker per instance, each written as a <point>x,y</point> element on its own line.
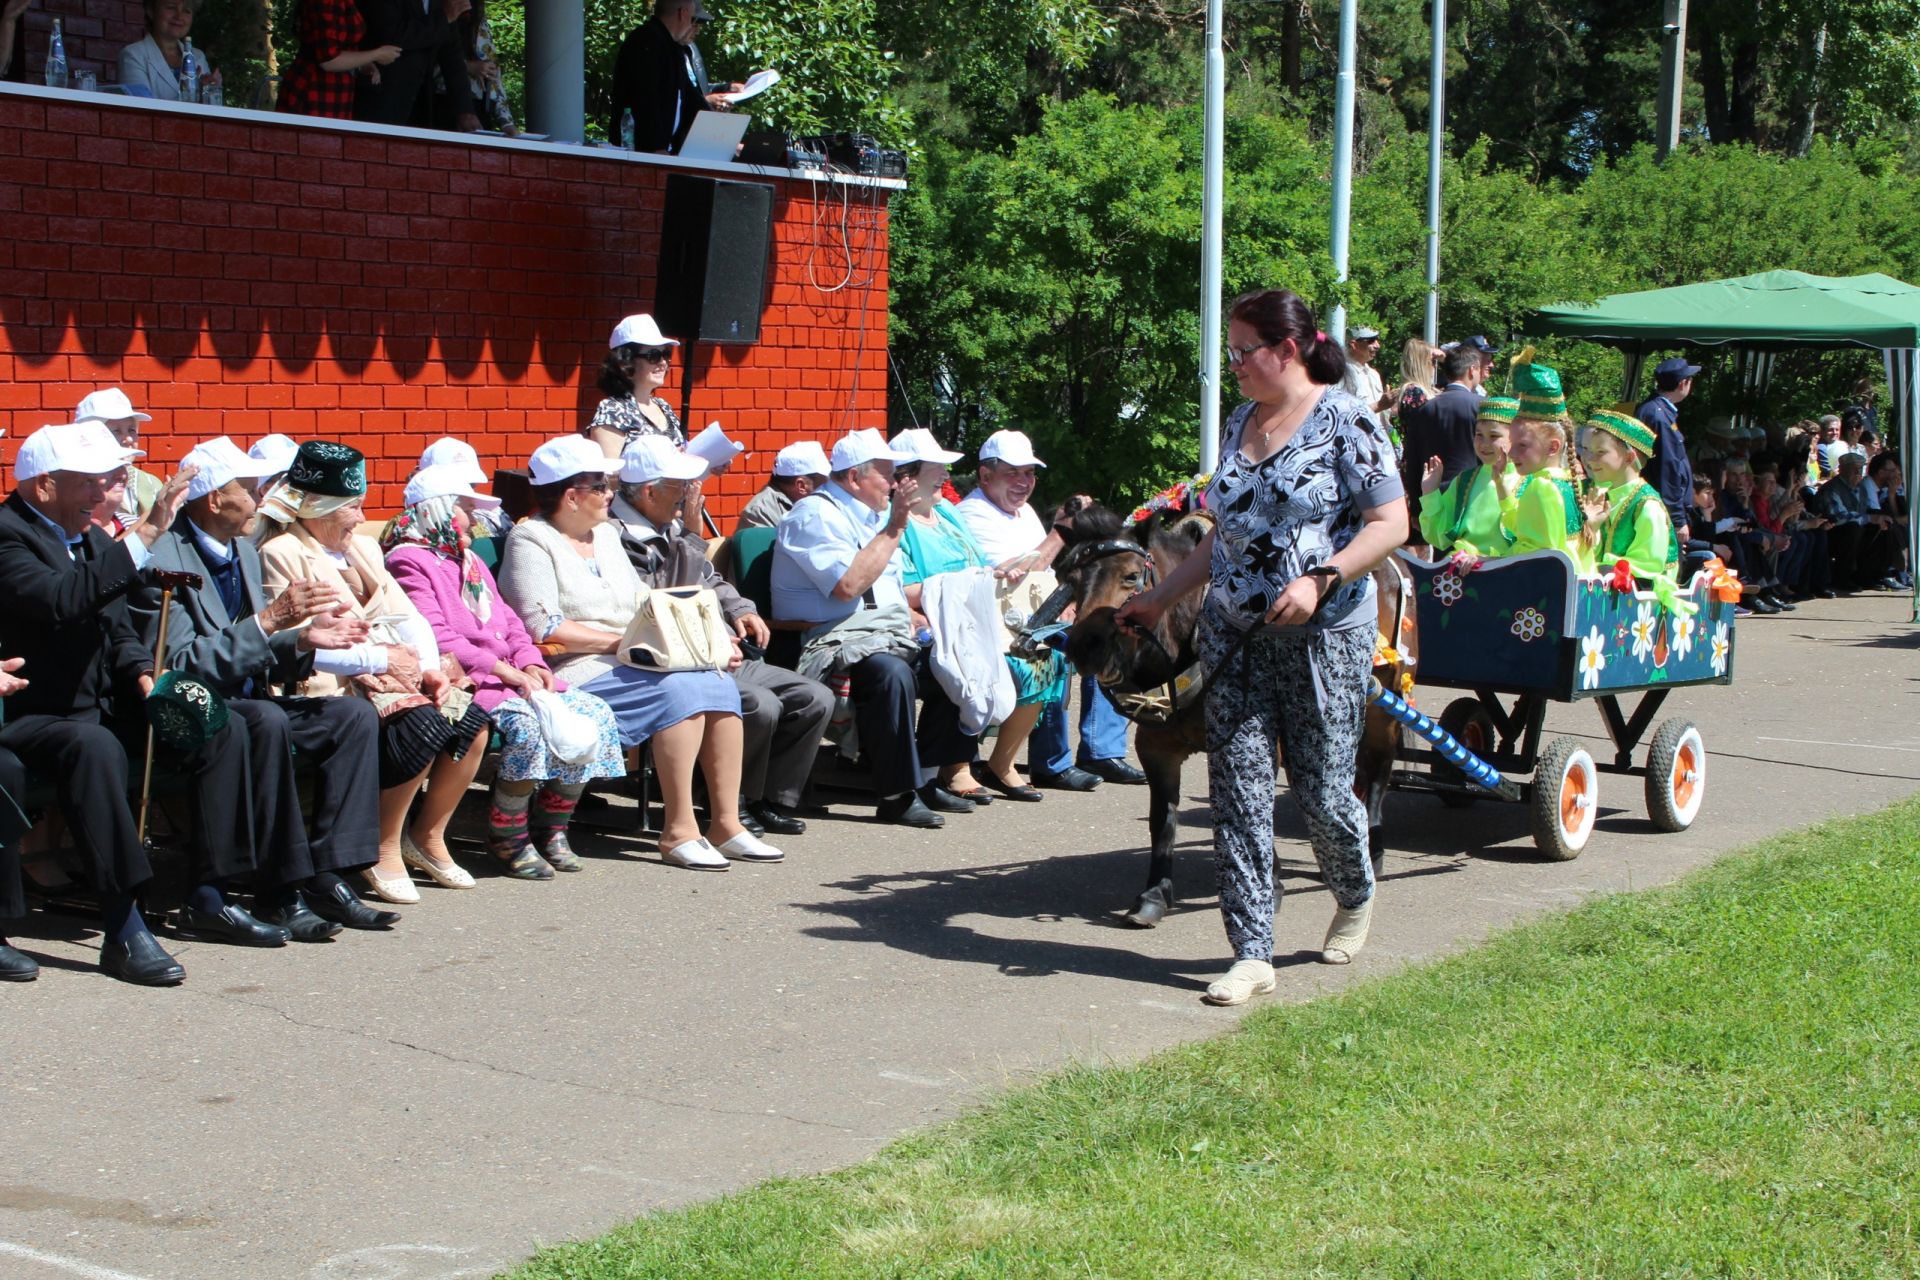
<point>63,608</point>
<point>226,632</point>
<point>1443,426</point>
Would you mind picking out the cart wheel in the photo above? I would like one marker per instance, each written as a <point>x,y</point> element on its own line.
<point>1565,798</point>
<point>1676,776</point>
<point>1469,722</point>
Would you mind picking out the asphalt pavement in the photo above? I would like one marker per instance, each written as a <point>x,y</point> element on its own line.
<point>525,1063</point>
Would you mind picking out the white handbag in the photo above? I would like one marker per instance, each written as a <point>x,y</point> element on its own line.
<point>678,629</point>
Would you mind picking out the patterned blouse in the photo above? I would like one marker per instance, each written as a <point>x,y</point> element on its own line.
<point>328,28</point>
<point>1282,516</point>
<point>623,414</point>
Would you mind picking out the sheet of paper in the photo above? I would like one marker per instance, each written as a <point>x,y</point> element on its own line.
<point>758,82</point>
<point>713,447</point>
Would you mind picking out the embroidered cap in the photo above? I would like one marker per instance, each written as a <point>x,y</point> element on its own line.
<point>329,469</point>
<point>1498,409</point>
<point>1625,428</point>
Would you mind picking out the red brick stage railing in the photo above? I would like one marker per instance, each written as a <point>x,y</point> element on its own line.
<point>241,272</point>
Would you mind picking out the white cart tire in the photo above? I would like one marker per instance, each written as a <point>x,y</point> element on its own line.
<point>1676,775</point>
<point>1565,799</point>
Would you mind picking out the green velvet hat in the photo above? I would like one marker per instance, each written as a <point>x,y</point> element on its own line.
<point>1498,409</point>
<point>1625,428</point>
<point>1537,388</point>
<point>329,469</point>
<point>185,711</point>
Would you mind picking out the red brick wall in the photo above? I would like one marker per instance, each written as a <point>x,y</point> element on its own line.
<point>94,32</point>
<point>240,275</point>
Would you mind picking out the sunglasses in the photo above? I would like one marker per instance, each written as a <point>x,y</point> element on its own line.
<point>646,355</point>
<point>601,485</point>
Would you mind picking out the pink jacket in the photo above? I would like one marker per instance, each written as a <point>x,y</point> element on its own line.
<point>432,582</point>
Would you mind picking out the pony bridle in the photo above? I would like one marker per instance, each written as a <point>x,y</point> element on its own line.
<point>1077,557</point>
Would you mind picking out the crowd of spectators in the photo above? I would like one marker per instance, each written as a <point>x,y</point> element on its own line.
<point>329,688</point>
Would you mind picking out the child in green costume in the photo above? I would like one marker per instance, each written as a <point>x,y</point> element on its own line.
<point>1540,511</point>
<point>1464,517</point>
<point>1632,523</point>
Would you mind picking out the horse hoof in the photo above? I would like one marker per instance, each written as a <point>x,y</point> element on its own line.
<point>1150,908</point>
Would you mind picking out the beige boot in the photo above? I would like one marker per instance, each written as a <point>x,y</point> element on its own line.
<point>1246,978</point>
<point>1347,934</point>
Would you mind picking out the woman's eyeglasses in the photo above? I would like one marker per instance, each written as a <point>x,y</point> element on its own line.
<point>1237,356</point>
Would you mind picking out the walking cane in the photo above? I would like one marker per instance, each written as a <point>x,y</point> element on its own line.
<point>168,580</point>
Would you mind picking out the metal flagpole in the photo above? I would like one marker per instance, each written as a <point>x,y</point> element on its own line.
<point>1212,203</point>
<point>1343,159</point>
<point>1436,130</point>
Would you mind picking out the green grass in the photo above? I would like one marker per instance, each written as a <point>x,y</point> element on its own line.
<point>1715,1079</point>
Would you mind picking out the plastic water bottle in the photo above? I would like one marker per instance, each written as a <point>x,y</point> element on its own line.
<point>189,82</point>
<point>214,94</point>
<point>626,125</point>
<point>57,59</point>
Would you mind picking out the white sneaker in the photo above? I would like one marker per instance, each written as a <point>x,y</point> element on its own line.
<point>1347,934</point>
<point>1246,978</point>
<point>696,855</point>
<point>747,847</point>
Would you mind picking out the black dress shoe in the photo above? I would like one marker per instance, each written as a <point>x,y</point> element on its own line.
<point>230,924</point>
<point>1116,771</point>
<point>1780,602</point>
<point>1068,779</point>
<point>941,800</point>
<point>993,782</point>
<point>1760,604</point>
<point>140,960</point>
<point>751,822</point>
<point>17,966</point>
<point>298,919</point>
<point>343,906</point>
<point>909,812</point>
<point>771,819</point>
<point>1827,593</point>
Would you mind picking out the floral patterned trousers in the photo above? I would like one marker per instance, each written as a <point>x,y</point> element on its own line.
<point>1263,697</point>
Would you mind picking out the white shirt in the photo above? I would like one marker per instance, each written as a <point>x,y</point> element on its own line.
<point>1001,536</point>
<point>1364,383</point>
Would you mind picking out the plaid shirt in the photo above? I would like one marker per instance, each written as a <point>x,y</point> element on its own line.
<point>328,28</point>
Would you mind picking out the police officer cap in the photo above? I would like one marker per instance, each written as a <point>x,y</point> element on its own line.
<point>1676,368</point>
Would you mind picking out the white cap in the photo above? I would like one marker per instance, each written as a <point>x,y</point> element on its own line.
<point>277,450</point>
<point>649,458</point>
<point>918,442</point>
<point>108,405</point>
<point>806,458</point>
<point>221,463</point>
<point>865,445</point>
<point>565,457</point>
<point>448,480</point>
<point>85,448</point>
<point>1010,447</point>
<point>641,331</point>
<point>448,452</point>
<point>713,447</point>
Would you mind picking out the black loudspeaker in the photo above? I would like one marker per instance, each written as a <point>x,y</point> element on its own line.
<point>714,240</point>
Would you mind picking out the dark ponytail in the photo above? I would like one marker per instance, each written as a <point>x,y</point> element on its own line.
<point>1278,315</point>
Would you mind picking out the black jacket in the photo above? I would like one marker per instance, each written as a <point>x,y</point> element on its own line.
<point>1442,426</point>
<point>202,638</point>
<point>652,76</point>
<point>67,618</point>
<point>426,40</point>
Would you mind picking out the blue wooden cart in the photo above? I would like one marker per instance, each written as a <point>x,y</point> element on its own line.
<point>1523,632</point>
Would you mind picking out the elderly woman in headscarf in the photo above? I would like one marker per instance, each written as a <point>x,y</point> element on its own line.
<point>428,554</point>
<point>431,730</point>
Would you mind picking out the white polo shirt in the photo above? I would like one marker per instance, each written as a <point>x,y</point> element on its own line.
<point>1001,536</point>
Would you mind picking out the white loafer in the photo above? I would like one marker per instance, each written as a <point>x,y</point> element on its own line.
<point>450,876</point>
<point>401,892</point>
<point>696,855</point>
<point>747,847</point>
<point>1347,934</point>
<point>1237,985</point>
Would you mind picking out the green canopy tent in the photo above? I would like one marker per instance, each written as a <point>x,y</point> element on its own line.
<point>1759,315</point>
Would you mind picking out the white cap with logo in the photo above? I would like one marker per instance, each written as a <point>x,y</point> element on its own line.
<point>865,445</point>
<point>805,458</point>
<point>84,448</point>
<point>639,331</point>
<point>651,458</point>
<point>448,480</point>
<point>110,404</point>
<point>920,444</point>
<point>1011,447</point>
<point>449,452</point>
<point>220,463</point>
<point>565,457</point>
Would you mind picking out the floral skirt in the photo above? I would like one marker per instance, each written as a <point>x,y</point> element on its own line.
<point>523,750</point>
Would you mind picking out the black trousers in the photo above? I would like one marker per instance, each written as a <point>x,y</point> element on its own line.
<point>901,749</point>
<point>92,766</point>
<point>13,781</point>
<point>782,716</point>
<point>339,738</point>
<point>1860,554</point>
